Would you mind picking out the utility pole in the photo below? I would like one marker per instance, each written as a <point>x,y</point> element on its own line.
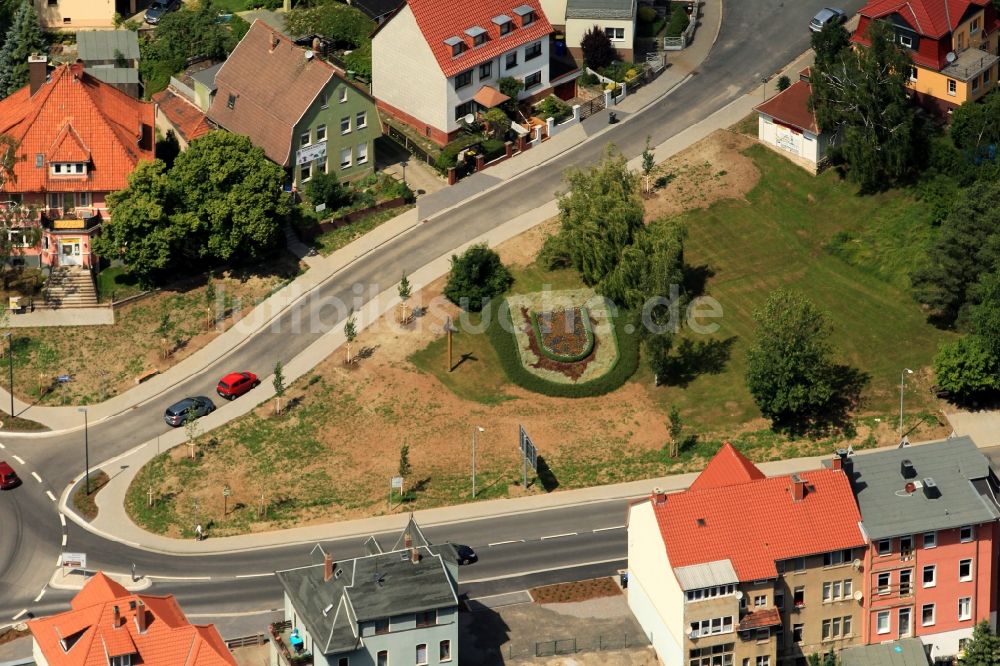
<point>475,430</point>
<point>902,384</point>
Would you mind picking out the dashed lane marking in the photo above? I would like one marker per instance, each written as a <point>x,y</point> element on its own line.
<point>62,519</point>
<point>40,595</point>
<point>37,478</point>
<point>558,536</point>
<point>260,575</point>
<point>605,529</point>
<point>504,543</point>
<point>19,459</point>
<point>51,496</point>
<point>64,541</point>
<point>24,611</point>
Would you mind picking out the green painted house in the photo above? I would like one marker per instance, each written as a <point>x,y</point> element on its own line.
<point>300,109</point>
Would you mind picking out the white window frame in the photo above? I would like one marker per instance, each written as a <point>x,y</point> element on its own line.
<point>953,90</point>
<point>967,602</point>
<point>441,645</point>
<point>345,122</point>
<point>320,133</point>
<point>887,544</point>
<point>361,157</point>
<point>84,199</point>
<point>879,618</point>
<point>923,615</point>
<point>969,528</point>
<point>361,120</point>
<point>305,139</point>
<point>923,575</point>
<point>416,656</point>
<point>343,94</point>
<point>305,172</point>
<point>967,577</point>
<point>346,163</point>
<point>930,538</point>
<point>887,587</point>
<point>906,41</point>
<point>759,600</point>
<point>612,31</point>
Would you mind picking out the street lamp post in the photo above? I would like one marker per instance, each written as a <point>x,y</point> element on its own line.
<point>10,365</point>
<point>475,431</point>
<point>86,446</point>
<point>902,384</point>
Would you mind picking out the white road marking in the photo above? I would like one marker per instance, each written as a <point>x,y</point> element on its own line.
<point>235,614</point>
<point>51,496</point>
<point>605,529</point>
<point>40,595</point>
<point>19,459</point>
<point>2,446</point>
<point>538,571</point>
<point>262,575</point>
<point>181,577</point>
<point>24,611</point>
<point>504,543</point>
<point>64,541</point>
<point>37,478</point>
<point>62,519</point>
<point>557,536</point>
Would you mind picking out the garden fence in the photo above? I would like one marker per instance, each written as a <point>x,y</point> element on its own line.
<point>409,146</point>
<point>562,646</point>
<point>596,105</point>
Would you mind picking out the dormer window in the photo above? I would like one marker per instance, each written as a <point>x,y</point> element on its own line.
<point>527,15</point>
<point>120,660</point>
<point>68,169</point>
<point>457,45</point>
<point>478,35</point>
<point>231,102</point>
<point>504,23</point>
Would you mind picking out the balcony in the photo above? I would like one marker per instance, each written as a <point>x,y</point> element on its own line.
<point>969,64</point>
<point>76,219</point>
<point>281,633</point>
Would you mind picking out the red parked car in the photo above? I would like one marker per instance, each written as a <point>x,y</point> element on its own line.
<point>8,477</point>
<point>236,384</point>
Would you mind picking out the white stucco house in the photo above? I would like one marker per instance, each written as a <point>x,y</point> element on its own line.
<point>787,124</point>
<point>436,61</point>
<point>573,18</point>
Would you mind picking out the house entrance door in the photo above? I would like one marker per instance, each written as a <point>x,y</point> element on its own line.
<point>70,252</point>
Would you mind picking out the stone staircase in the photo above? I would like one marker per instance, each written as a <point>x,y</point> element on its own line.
<point>70,287</point>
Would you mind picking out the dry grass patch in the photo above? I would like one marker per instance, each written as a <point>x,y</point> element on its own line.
<point>580,590</point>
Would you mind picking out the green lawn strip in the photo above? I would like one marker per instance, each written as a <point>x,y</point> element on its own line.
<point>333,240</point>
<point>86,505</point>
<point>566,358</point>
<point>115,283</point>
<point>20,424</point>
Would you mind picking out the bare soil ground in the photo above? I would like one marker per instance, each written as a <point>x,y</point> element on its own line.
<point>580,590</point>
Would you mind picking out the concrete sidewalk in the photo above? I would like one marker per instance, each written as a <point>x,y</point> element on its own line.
<point>99,316</point>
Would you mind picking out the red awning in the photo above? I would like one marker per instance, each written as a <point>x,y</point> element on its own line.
<point>489,97</point>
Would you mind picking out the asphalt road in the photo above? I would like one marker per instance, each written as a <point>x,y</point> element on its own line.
<point>758,38</point>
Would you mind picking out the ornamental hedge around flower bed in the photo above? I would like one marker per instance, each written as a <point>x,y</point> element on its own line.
<point>552,355</point>
<point>510,358</point>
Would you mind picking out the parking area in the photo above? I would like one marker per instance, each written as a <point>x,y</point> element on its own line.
<point>509,629</point>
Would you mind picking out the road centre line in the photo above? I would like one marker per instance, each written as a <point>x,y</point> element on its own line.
<point>260,575</point>
<point>2,446</point>
<point>64,540</point>
<point>18,459</point>
<point>37,478</point>
<point>51,496</point>
<point>540,571</point>
<point>62,519</point>
<point>180,577</point>
<point>605,529</point>
<point>558,536</point>
<point>40,595</point>
<point>504,543</point>
<point>24,611</point>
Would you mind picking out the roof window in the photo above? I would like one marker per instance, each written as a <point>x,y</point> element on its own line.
<point>478,35</point>
<point>457,45</point>
<point>505,23</point>
<point>526,13</point>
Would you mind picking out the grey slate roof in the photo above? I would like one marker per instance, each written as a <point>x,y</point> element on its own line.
<point>600,9</point>
<point>102,44</point>
<point>905,652</point>
<point>961,473</point>
<point>367,588</point>
<point>114,75</point>
<point>709,574</point>
<point>207,76</point>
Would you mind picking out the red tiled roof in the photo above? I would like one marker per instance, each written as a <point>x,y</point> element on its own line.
<point>440,19</point>
<point>767,617</point>
<point>929,18</point>
<point>186,118</point>
<point>727,466</point>
<point>272,84</point>
<point>75,116</point>
<point>791,107</point>
<point>755,522</point>
<point>92,636</point>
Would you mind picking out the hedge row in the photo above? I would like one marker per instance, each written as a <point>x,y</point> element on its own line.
<point>566,358</point>
<point>510,358</point>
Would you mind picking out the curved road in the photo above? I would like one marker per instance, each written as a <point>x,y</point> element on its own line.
<point>758,37</point>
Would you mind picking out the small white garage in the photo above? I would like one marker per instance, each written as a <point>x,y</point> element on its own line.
<point>787,124</point>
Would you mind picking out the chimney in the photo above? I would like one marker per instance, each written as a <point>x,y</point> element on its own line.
<point>140,617</point>
<point>408,540</point>
<point>931,490</point>
<point>316,44</point>
<point>798,488</point>
<point>838,463</point>
<point>907,469</point>
<point>37,71</point>
<point>77,69</point>
<point>414,556</point>
<point>274,42</point>
<point>659,497</point>
<point>327,567</point>
<point>117,620</point>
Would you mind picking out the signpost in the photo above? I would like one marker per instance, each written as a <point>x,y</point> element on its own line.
<point>73,561</point>
<point>395,483</point>
<point>529,453</point>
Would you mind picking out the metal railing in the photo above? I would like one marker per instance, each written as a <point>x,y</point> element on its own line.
<point>562,646</point>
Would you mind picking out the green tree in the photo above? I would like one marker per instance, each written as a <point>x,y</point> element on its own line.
<point>598,51</point>
<point>676,429</point>
<point>656,349</point>
<point>347,26</point>
<point>830,44</point>
<point>404,460</point>
<point>789,368</point>
<point>976,123</point>
<point>510,87</point>
<point>965,369</point>
<point>497,122</point>
<point>967,246</point>
<point>142,232</point>
<point>404,296</point>
<point>827,659</point>
<point>648,166</point>
<point>476,276</point>
<point>24,37</point>
<point>324,188</point>
<point>231,198</point>
<point>783,83</point>
<point>601,214</point>
<point>985,315</point>
<point>9,159</point>
<point>864,94</point>
<point>192,429</point>
<point>350,332</point>
<point>983,649</point>
<point>648,268</point>
<point>279,385</point>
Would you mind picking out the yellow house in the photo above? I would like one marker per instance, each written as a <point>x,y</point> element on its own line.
<point>953,45</point>
<point>73,15</point>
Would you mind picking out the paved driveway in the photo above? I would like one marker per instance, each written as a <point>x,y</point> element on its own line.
<point>982,426</point>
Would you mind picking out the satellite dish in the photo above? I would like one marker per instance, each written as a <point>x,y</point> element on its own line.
<point>951,57</point>
<point>469,118</point>
<point>739,594</point>
<point>309,55</point>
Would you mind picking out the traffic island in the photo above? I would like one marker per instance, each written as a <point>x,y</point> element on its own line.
<point>84,503</point>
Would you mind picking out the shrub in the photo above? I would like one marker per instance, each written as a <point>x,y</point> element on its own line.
<point>510,357</point>
<point>783,83</point>
<point>323,188</point>
<point>476,277</point>
<point>617,70</point>
<point>493,148</point>
<point>647,14</point>
<point>553,107</point>
<point>449,154</point>
<point>588,79</point>
<point>679,21</point>
<point>598,51</point>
